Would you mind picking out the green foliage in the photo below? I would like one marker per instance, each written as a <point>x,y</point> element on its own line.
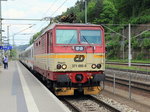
<point>34,37</point>
<point>135,44</point>
<point>140,20</point>
<point>108,13</point>
<point>132,8</point>
<point>146,43</point>
<point>13,54</point>
<point>113,47</point>
<point>91,10</point>
<point>140,56</point>
<point>146,34</point>
<point>112,12</point>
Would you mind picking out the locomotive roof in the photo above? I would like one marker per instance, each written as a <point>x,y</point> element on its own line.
<point>51,26</point>
<point>67,24</point>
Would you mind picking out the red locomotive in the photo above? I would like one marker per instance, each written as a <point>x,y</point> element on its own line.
<point>70,57</point>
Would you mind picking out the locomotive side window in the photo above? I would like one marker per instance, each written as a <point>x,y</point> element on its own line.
<point>66,37</point>
<point>90,37</point>
<point>50,37</point>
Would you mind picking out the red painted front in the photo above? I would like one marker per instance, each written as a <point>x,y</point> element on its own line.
<point>59,48</point>
<point>47,44</point>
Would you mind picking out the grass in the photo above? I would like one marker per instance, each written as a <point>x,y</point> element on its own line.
<point>128,68</point>
<point>126,61</point>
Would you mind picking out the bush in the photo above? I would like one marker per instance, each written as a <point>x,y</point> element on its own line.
<point>146,43</point>
<point>140,20</point>
<point>146,34</point>
<point>140,56</point>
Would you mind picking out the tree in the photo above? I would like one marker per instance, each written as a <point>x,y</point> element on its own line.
<point>13,54</point>
<point>34,37</point>
<point>108,13</point>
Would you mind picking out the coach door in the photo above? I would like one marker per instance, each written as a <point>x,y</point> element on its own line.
<point>49,49</point>
<point>49,42</point>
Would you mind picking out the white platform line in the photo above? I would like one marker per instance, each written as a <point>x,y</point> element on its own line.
<point>64,108</point>
<point>31,105</point>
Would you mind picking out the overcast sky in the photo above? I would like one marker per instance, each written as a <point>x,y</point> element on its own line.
<point>34,9</point>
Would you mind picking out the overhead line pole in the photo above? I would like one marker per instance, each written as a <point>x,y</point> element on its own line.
<point>129,47</point>
<point>85,11</point>
<point>0,33</point>
<point>1,52</point>
<point>8,34</point>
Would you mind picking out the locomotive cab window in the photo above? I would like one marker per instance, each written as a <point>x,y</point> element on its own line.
<point>90,37</point>
<point>66,37</point>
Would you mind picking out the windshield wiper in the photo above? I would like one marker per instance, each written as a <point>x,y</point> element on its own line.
<point>71,39</point>
<point>88,42</point>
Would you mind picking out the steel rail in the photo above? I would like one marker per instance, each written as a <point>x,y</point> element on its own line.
<point>100,102</point>
<point>134,84</point>
<point>71,106</point>
<point>97,101</point>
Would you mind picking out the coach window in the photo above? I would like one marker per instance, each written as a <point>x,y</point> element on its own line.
<point>66,37</point>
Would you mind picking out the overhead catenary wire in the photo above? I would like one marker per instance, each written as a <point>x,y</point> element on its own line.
<point>54,12</point>
<point>50,7</point>
<point>44,14</point>
<point>57,4</point>
<point>59,7</point>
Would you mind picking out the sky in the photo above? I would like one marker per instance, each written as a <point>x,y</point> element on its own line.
<point>22,31</point>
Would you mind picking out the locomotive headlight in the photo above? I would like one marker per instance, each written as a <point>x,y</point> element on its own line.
<point>79,48</point>
<point>58,66</point>
<point>99,66</point>
<point>93,66</point>
<point>64,66</point>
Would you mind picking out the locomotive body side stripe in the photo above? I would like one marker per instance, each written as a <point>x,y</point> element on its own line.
<point>65,56</point>
<point>74,61</point>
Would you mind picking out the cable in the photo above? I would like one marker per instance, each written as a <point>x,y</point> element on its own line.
<point>50,7</point>
<point>54,12</point>
<point>59,7</point>
<point>45,14</point>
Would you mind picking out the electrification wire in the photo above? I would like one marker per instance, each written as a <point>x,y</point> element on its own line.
<point>58,8</point>
<point>50,7</point>
<point>54,12</point>
<point>22,30</point>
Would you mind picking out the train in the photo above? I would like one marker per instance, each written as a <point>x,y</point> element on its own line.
<point>69,57</point>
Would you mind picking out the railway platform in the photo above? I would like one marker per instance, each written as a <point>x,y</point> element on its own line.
<point>20,91</point>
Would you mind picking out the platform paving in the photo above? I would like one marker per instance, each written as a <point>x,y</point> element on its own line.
<point>20,91</point>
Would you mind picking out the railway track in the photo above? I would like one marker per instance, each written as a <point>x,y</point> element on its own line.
<point>134,84</point>
<point>87,104</point>
<point>140,67</point>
